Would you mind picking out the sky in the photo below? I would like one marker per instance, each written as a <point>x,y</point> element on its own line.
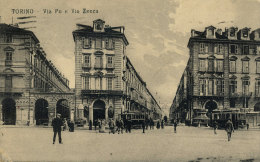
<point>157,30</point>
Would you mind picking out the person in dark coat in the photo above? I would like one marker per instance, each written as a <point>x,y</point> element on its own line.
<point>90,124</point>
<point>95,124</point>
<point>215,126</point>
<point>129,125</point>
<point>162,124</point>
<point>229,129</point>
<point>57,124</point>
<point>158,125</point>
<point>143,126</point>
<point>175,126</point>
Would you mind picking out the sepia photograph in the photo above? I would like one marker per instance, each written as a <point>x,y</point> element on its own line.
<point>130,80</point>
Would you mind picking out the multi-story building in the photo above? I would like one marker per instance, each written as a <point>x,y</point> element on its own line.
<point>26,74</point>
<point>222,74</point>
<point>105,80</point>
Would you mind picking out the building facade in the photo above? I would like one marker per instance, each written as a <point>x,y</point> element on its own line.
<point>104,77</point>
<point>222,74</point>
<point>28,81</point>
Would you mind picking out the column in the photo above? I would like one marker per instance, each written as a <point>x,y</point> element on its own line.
<point>106,113</point>
<point>91,113</point>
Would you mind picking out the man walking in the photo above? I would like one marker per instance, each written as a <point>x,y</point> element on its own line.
<point>215,126</point>
<point>175,126</point>
<point>229,129</point>
<point>56,124</point>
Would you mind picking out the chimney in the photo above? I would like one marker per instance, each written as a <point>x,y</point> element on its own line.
<point>192,33</point>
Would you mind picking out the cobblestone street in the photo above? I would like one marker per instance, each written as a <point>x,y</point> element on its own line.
<point>189,144</point>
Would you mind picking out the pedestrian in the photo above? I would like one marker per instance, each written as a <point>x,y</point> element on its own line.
<point>150,123</point>
<point>146,124</point>
<point>1,130</point>
<point>57,124</point>
<point>90,124</point>
<point>162,124</point>
<point>215,127</point>
<point>175,126</point>
<point>143,126</point>
<point>158,125</point>
<point>121,126</point>
<point>229,129</point>
<point>129,125</point>
<point>71,125</point>
<point>247,126</point>
<point>95,124</point>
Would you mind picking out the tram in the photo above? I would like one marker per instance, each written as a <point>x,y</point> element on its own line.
<point>237,118</point>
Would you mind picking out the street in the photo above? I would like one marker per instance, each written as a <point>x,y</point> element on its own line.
<point>188,144</point>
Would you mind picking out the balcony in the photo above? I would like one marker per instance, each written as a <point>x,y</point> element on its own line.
<point>101,92</point>
<point>240,94</point>
<point>86,65</point>
<point>98,66</point>
<point>110,66</point>
<point>11,90</point>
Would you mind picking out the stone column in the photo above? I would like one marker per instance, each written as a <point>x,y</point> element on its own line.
<point>91,113</point>
<point>106,113</point>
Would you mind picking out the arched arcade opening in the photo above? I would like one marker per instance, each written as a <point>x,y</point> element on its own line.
<point>9,111</point>
<point>41,112</point>
<point>62,108</point>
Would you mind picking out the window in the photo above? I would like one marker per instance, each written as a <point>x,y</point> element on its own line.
<point>245,88</point>
<point>252,49</point>
<point>246,50</point>
<point>202,47</point>
<point>232,86</point>
<point>202,65</point>
<point>245,33</point>
<point>220,47</point>
<point>8,82</point>
<point>86,60</point>
<point>87,42</point>
<point>258,67</point>
<point>219,65</point>
<point>9,38</point>
<point>232,32</point>
<point>98,62</point>
<point>233,49</point>
<point>258,50</point>
<point>232,102</point>
<point>110,43</point>
<point>232,66</point>
<point>98,83</point>
<point>257,88</point>
<point>211,48</point>
<point>109,61</point>
<point>85,82</point>
<point>8,56</point>
<point>245,66</point>
<point>211,87</point>
<point>109,84</point>
<point>98,43</point>
<point>211,65</point>
<point>202,87</point>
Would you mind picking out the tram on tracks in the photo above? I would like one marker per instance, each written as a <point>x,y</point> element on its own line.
<point>237,118</point>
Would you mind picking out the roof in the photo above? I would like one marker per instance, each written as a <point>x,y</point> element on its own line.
<point>109,31</point>
<point>9,29</point>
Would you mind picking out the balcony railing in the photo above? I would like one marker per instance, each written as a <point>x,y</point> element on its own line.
<point>110,66</point>
<point>86,65</point>
<point>241,94</point>
<point>98,66</point>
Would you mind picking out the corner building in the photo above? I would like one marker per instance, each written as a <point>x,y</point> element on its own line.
<point>222,75</point>
<point>30,84</point>
<point>101,85</point>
